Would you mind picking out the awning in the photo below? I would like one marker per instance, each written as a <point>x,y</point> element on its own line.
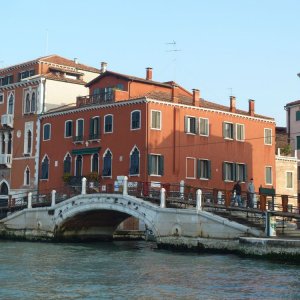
<point>85,151</point>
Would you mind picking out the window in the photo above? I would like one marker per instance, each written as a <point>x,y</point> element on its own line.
<point>298,115</point>
<point>67,164</point>
<point>27,103</point>
<point>190,165</point>
<point>190,125</point>
<point>10,143</point>
<point>28,137</point>
<point>234,171</point>
<point>155,119</point>
<point>134,168</point>
<point>241,172</point>
<point>95,163</point>
<point>29,142</point>
<point>78,166</point>
<point>240,132</point>
<point>11,99</point>
<point>79,130</point>
<point>25,74</point>
<point>94,128</point>
<point>47,132</point>
<point>33,102</point>
<point>108,124</point>
<point>228,130</point>
<point>27,176</point>
<point>298,175</point>
<point>268,172</point>
<point>203,169</point>
<point>45,168</point>
<point>289,180</point>
<point>68,128</point>
<point>155,165</point>
<point>1,97</point>
<point>204,127</point>
<point>268,136</point>
<point>6,80</point>
<point>106,172</point>
<point>135,120</point>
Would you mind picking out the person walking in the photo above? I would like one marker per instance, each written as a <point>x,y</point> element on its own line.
<point>237,190</point>
<point>250,194</point>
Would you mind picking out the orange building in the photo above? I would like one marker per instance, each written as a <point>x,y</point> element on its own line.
<point>158,132</point>
<point>27,90</point>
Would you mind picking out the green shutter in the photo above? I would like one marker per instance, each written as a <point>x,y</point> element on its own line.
<point>185,124</point>
<point>149,164</point>
<point>209,169</point>
<point>234,172</point>
<point>223,168</point>
<point>245,173</point>
<point>298,142</point>
<point>161,165</point>
<point>298,115</point>
<point>91,127</point>
<point>198,168</point>
<point>233,131</point>
<point>224,135</point>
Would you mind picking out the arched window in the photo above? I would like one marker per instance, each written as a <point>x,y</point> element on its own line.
<point>29,142</point>
<point>33,102</point>
<point>45,168</point>
<point>3,189</point>
<point>9,144</point>
<point>47,132</point>
<point>95,162</point>
<point>135,120</point>
<point>78,165</point>
<point>27,176</point>
<point>27,103</point>
<point>3,143</point>
<point>134,162</point>
<point>107,164</point>
<point>11,104</point>
<point>67,164</point>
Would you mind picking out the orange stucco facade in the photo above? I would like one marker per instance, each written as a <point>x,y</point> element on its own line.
<point>177,136</point>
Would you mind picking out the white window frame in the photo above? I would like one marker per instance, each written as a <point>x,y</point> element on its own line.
<point>112,123</point>
<point>266,137</point>
<point>187,124</point>
<point>92,155</point>
<point>208,171</point>
<point>49,132</point>
<point>206,126</point>
<point>237,174</point>
<point>160,119</point>
<point>242,126</point>
<point>111,163</point>
<point>67,137</point>
<point>226,137</point>
<point>28,127</point>
<point>75,164</point>
<point>186,167</point>
<point>25,176</point>
<point>229,180</point>
<point>292,179</point>
<point>12,93</point>
<point>139,122</point>
<point>77,121</point>
<point>157,164</point>
<point>132,150</point>
<point>269,167</point>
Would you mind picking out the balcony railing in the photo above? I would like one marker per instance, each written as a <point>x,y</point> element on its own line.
<point>101,98</point>
<point>78,139</point>
<point>7,120</point>
<point>5,159</point>
<point>94,136</point>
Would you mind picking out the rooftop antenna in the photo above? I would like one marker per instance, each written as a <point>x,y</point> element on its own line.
<point>230,89</point>
<point>174,49</point>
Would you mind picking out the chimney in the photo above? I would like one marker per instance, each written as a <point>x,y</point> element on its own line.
<point>76,60</point>
<point>196,97</point>
<point>251,107</point>
<point>174,93</point>
<point>103,67</point>
<point>232,104</point>
<point>148,73</point>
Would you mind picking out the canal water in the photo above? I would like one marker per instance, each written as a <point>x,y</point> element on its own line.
<point>137,270</point>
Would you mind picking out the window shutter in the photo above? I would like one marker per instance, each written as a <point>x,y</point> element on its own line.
<point>161,165</point>
<point>234,172</point>
<point>198,168</point>
<point>149,164</point>
<point>224,168</point>
<point>91,127</point>
<point>197,125</point>
<point>209,169</point>
<point>186,124</point>
<point>224,131</point>
<point>245,173</point>
<point>233,131</point>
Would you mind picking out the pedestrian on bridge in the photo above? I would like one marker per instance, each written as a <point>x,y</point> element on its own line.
<point>237,191</point>
<point>250,194</point>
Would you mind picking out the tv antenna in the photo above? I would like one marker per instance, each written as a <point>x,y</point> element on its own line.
<point>174,50</point>
<point>230,89</point>
<point>174,47</point>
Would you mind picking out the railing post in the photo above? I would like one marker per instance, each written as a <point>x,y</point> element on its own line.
<point>29,203</point>
<point>83,187</point>
<point>198,200</point>
<point>53,198</point>
<point>181,189</point>
<point>125,186</point>
<point>163,198</point>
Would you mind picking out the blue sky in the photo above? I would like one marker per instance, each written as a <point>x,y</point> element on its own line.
<point>250,48</point>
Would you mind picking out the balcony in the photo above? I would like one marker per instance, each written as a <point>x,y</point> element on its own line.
<point>78,139</point>
<point>7,120</point>
<point>5,159</point>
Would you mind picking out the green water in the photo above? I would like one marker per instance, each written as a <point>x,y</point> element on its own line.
<point>137,270</point>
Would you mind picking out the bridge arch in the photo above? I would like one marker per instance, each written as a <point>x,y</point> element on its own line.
<point>98,216</point>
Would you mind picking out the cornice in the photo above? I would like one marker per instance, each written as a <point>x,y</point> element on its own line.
<point>21,83</point>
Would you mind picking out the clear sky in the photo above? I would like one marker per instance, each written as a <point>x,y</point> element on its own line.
<point>247,48</point>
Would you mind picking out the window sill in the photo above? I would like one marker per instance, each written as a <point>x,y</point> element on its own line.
<point>134,175</point>
<point>228,139</point>
<point>202,178</point>
<point>133,129</point>
<point>155,175</point>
